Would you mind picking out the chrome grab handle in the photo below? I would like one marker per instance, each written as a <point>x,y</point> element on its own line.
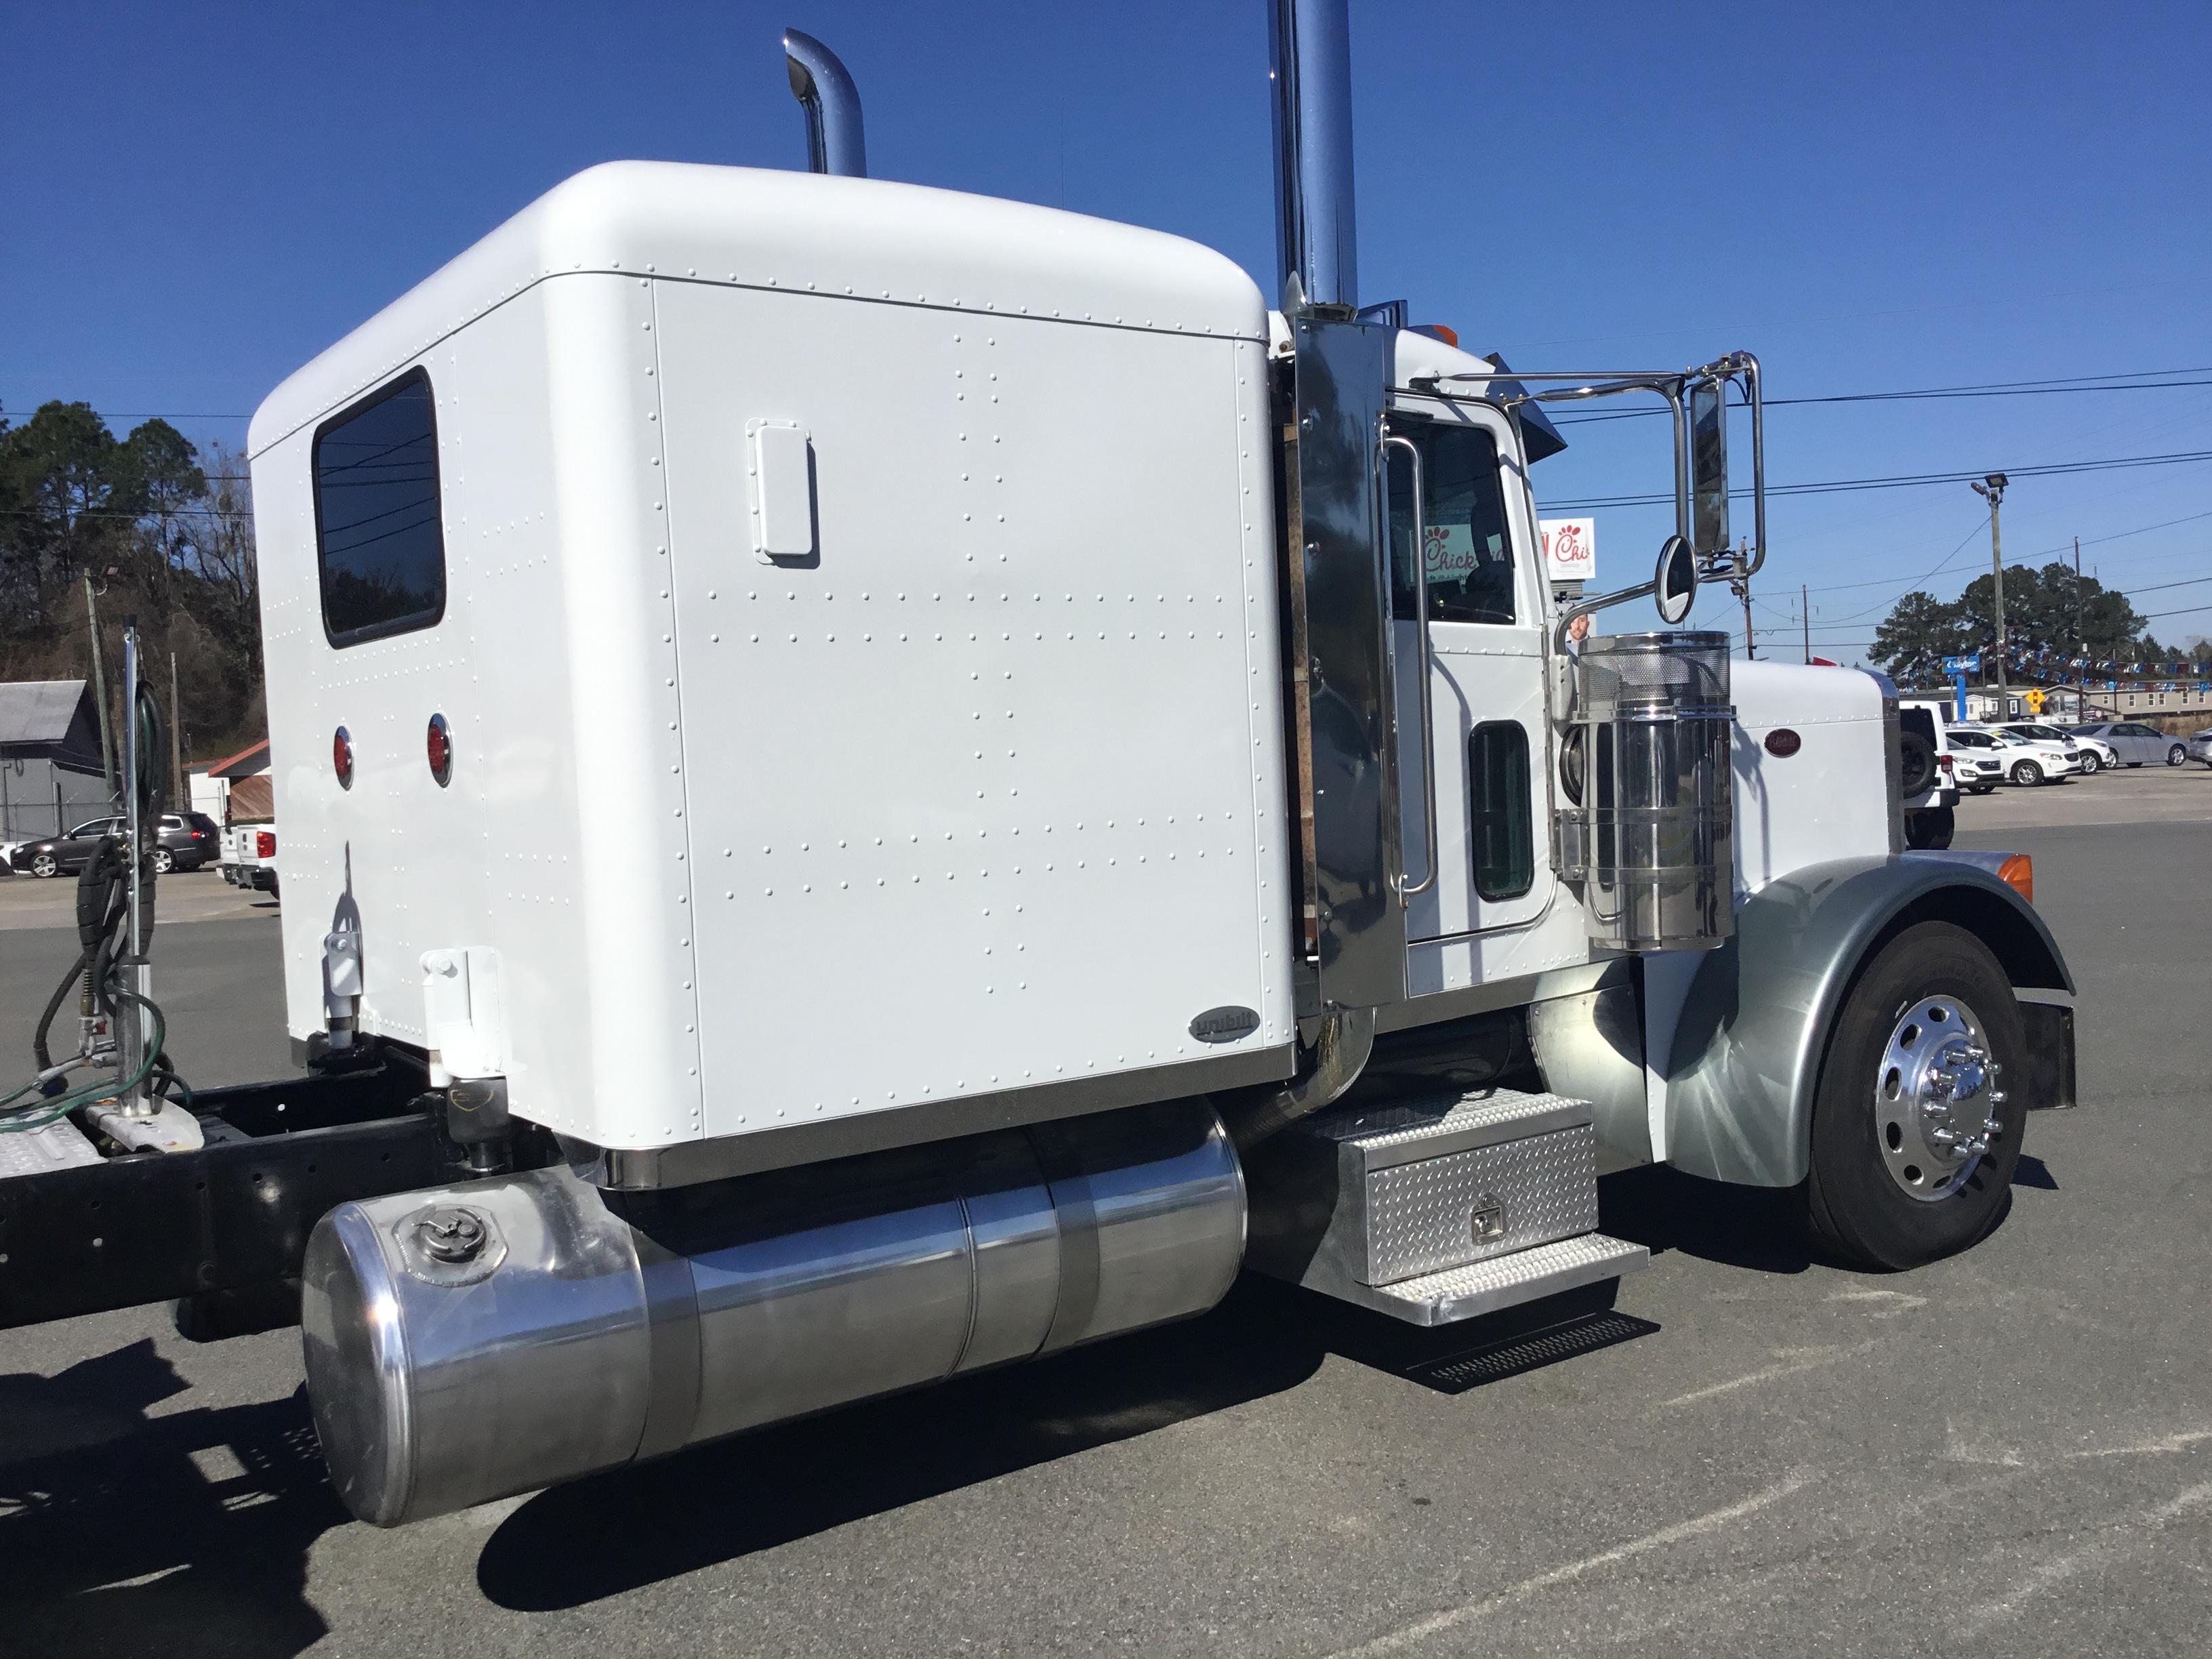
<point>1423,668</point>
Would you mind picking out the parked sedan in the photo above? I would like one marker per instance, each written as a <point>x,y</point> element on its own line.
<point>185,841</point>
<point>2200,746</point>
<point>2136,743</point>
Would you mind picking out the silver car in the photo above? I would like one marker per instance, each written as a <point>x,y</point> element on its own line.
<point>2137,744</point>
<point>2200,746</point>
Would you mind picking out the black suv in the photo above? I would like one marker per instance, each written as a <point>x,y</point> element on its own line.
<point>185,842</point>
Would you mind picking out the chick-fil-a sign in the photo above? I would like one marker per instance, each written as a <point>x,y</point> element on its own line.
<point>1569,548</point>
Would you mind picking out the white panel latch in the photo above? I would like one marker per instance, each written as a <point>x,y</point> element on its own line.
<point>780,490</point>
<point>464,1014</point>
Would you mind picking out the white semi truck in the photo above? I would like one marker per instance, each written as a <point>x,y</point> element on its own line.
<point>879,782</point>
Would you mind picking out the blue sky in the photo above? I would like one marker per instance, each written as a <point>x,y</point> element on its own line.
<point>1871,198</point>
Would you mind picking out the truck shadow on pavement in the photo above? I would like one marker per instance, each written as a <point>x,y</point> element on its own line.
<point>180,1534</point>
<point>1663,1209</point>
<point>577,1544</point>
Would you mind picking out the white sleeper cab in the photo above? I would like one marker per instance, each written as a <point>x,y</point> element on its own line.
<point>879,782</point>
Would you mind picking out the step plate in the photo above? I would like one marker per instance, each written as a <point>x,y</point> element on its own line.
<point>1458,1293</point>
<point>57,1145</point>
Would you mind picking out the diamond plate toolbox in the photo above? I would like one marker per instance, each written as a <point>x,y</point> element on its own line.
<point>1383,1193</point>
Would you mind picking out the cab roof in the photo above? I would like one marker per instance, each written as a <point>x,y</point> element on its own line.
<point>871,238</point>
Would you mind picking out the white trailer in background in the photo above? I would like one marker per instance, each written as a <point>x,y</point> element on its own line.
<point>921,779</point>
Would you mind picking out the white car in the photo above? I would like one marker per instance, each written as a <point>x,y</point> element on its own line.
<point>1978,759</point>
<point>2097,755</point>
<point>2036,760</point>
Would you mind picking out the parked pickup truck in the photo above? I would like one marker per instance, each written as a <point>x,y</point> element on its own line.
<point>249,856</point>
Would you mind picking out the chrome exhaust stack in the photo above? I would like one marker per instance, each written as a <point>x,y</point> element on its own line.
<point>468,1342</point>
<point>1311,44</point>
<point>834,143</point>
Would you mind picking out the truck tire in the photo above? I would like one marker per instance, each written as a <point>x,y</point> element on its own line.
<point>1928,1036</point>
<point>2026,772</point>
<point>1930,829</point>
<point>1915,762</point>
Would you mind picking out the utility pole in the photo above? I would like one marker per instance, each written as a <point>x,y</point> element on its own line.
<point>99,684</point>
<point>180,796</point>
<point>1742,586</point>
<point>1805,610</point>
<point>2081,639</point>
<point>1993,487</point>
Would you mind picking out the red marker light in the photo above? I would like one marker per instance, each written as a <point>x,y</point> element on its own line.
<point>342,757</point>
<point>440,747</point>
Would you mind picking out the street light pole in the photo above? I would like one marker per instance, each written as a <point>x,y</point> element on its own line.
<point>1993,487</point>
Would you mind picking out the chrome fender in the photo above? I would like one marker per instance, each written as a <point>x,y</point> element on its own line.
<point>1746,1051</point>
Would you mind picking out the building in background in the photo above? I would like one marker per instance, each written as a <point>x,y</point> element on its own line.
<point>236,789</point>
<point>51,774</point>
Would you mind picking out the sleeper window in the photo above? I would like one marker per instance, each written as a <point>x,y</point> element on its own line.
<point>1470,549</point>
<point>379,544</point>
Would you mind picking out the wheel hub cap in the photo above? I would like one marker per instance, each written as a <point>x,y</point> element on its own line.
<point>1935,1098</point>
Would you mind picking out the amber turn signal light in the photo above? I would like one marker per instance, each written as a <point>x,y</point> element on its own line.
<point>2018,872</point>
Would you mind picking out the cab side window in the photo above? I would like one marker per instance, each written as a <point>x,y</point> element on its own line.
<point>379,545</point>
<point>1469,547</point>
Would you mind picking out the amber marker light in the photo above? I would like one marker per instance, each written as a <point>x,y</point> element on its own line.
<point>2018,872</point>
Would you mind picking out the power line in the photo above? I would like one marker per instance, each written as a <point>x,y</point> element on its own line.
<point>1916,480</point>
<point>1991,389</point>
<point>2118,380</point>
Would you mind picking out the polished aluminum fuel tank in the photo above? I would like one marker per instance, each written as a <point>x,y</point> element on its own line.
<point>1650,838</point>
<point>470,1341</point>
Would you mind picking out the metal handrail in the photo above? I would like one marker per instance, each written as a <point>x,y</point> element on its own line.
<point>1424,667</point>
<point>1670,383</point>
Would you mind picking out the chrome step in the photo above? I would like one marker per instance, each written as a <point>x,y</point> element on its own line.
<point>1380,1193</point>
<point>1457,1293</point>
<point>1436,1207</point>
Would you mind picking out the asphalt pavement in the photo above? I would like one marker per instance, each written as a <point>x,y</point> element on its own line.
<point>1753,1452</point>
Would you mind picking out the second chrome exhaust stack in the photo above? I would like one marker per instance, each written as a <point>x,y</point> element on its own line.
<point>834,143</point>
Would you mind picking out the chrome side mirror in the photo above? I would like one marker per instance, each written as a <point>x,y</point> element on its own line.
<point>1674,582</point>
<point>1709,484</point>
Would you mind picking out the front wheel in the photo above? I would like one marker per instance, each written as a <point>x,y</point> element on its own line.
<point>1914,1141</point>
<point>2026,772</point>
<point>45,865</point>
<point>2091,764</point>
<point>2176,755</point>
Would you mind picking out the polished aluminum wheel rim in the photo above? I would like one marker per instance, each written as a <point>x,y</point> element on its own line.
<point>1935,1098</point>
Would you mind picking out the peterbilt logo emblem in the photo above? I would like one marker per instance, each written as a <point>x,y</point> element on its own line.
<point>1226,1024</point>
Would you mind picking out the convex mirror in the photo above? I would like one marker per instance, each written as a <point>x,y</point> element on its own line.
<point>1675,584</point>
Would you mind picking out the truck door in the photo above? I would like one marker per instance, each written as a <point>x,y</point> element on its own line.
<point>1486,737</point>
